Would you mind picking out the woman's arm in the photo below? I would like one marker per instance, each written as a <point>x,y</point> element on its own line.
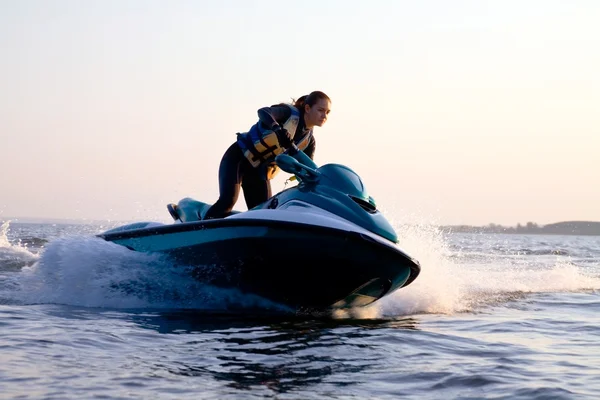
<point>272,117</point>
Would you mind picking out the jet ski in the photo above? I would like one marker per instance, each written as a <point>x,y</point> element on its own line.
<point>319,245</point>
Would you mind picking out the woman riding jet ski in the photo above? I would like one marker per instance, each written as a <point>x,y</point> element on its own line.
<point>319,245</point>
<point>249,161</point>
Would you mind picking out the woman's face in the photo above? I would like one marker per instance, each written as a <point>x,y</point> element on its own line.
<point>317,114</point>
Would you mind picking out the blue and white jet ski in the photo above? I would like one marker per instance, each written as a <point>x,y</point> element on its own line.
<point>319,245</point>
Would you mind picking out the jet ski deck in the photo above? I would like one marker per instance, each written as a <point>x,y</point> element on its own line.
<point>295,264</point>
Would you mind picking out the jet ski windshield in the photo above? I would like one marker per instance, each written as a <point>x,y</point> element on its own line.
<point>345,180</point>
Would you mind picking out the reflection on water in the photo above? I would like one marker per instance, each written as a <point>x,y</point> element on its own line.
<point>197,321</point>
<point>276,352</point>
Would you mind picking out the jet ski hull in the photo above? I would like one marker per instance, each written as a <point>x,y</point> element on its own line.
<point>301,266</point>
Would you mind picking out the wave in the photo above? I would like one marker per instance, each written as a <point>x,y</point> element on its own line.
<point>87,271</point>
<point>15,256</point>
<point>451,284</point>
<point>511,251</point>
<point>32,241</point>
<point>90,272</point>
<point>535,252</point>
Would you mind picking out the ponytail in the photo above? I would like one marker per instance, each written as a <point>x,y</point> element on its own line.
<point>310,100</point>
<point>299,104</point>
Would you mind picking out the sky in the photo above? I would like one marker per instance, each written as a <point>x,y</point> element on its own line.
<point>453,112</point>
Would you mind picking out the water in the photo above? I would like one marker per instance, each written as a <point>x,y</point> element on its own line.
<point>491,316</point>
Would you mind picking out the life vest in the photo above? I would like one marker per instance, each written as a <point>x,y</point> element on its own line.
<point>261,145</point>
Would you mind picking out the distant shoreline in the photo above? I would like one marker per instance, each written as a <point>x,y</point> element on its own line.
<point>586,228</point>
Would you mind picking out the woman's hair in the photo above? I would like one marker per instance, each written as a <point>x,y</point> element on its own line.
<point>310,99</point>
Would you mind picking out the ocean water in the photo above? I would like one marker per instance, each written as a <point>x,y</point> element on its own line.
<point>490,316</point>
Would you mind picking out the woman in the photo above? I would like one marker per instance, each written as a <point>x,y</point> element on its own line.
<point>249,161</point>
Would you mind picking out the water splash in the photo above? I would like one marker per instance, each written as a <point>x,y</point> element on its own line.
<point>437,289</point>
<point>4,234</point>
<point>467,274</point>
<point>13,256</point>
<point>452,282</point>
<point>90,272</point>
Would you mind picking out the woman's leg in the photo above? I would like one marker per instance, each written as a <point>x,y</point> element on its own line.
<point>230,176</point>
<point>257,189</point>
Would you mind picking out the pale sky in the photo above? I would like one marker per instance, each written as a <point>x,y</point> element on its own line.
<point>461,112</point>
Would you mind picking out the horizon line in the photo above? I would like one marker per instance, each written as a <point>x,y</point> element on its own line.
<point>95,220</point>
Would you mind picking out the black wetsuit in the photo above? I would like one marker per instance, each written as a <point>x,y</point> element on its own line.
<point>236,170</point>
